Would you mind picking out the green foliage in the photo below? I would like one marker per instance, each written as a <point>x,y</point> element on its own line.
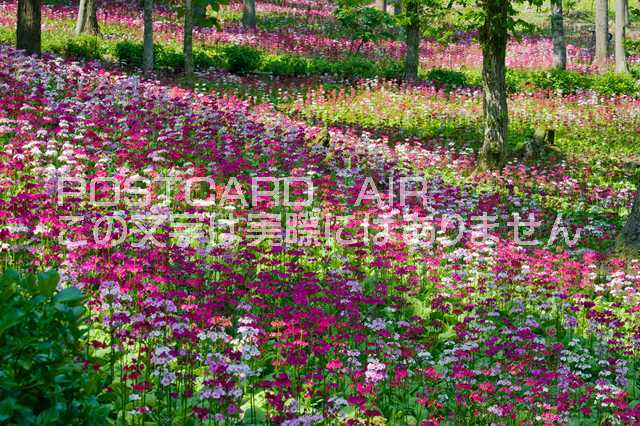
<point>286,65</point>
<point>615,84</point>
<point>562,81</point>
<point>242,59</point>
<point>130,53</point>
<point>445,77</point>
<point>356,66</point>
<point>45,378</point>
<point>363,23</point>
<point>84,47</point>
<point>209,18</point>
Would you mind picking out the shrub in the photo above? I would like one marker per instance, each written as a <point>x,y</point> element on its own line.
<point>242,59</point>
<point>43,378</point>
<point>285,65</point>
<point>615,84</point>
<point>129,53</point>
<point>445,77</point>
<point>84,47</point>
<point>561,81</point>
<point>356,67</point>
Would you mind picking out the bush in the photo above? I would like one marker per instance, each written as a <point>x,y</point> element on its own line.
<point>356,67</point>
<point>615,84</point>
<point>562,81</point>
<point>242,59</point>
<point>43,376</point>
<point>444,77</point>
<point>129,53</point>
<point>84,47</point>
<point>285,65</point>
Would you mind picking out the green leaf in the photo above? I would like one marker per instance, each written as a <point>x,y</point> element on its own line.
<point>68,295</point>
<point>47,282</point>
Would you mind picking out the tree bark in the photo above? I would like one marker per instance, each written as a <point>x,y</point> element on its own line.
<point>557,34</point>
<point>188,38</point>
<point>602,35</point>
<point>630,236</point>
<point>412,58</point>
<point>249,14</point>
<point>493,40</point>
<point>87,21</point>
<point>147,54</point>
<point>621,56</point>
<point>28,31</point>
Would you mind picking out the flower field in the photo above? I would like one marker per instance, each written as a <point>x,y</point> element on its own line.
<point>382,311</point>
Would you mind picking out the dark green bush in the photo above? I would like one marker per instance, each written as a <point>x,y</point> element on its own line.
<point>84,47</point>
<point>391,69</point>
<point>242,59</point>
<point>615,84</point>
<point>445,77</point>
<point>356,67</point>
<point>45,378</point>
<point>562,81</point>
<point>129,53</point>
<point>285,65</point>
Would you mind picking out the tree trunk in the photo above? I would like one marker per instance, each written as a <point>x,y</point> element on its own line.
<point>147,54</point>
<point>87,21</point>
<point>249,14</point>
<point>621,56</point>
<point>493,40</point>
<point>630,236</point>
<point>380,5</point>
<point>557,33</point>
<point>28,31</point>
<point>602,35</point>
<point>188,38</point>
<point>412,58</point>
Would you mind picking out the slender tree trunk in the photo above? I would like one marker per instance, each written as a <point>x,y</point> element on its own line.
<point>621,56</point>
<point>602,35</point>
<point>249,14</point>
<point>81,19</point>
<point>28,31</point>
<point>557,34</point>
<point>87,21</point>
<point>188,38</point>
<point>493,40</point>
<point>630,236</point>
<point>147,54</point>
<point>412,58</point>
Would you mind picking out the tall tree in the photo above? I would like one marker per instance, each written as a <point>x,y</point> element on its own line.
<point>28,31</point>
<point>249,14</point>
<point>630,236</point>
<point>188,38</point>
<point>147,54</point>
<point>494,34</point>
<point>602,34</point>
<point>87,21</point>
<point>621,22</point>
<point>557,34</point>
<point>412,29</point>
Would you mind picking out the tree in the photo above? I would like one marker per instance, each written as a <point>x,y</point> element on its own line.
<point>363,22</point>
<point>495,20</point>
<point>188,38</point>
<point>602,34</point>
<point>621,22</point>
<point>557,34</point>
<point>249,14</point>
<point>147,54</point>
<point>87,21</point>
<point>630,236</point>
<point>412,29</point>
<point>28,31</point>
